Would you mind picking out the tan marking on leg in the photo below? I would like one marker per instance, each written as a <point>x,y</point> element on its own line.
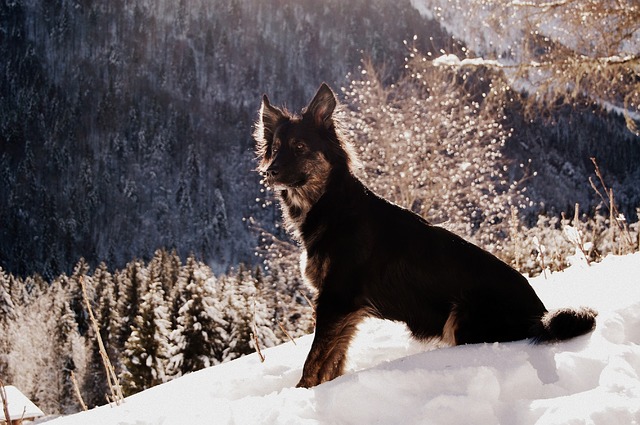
<point>449,329</point>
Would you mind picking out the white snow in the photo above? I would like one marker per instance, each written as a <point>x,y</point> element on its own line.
<point>18,406</point>
<point>392,379</point>
<point>454,61</point>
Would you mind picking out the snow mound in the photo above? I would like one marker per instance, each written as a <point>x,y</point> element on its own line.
<point>391,379</point>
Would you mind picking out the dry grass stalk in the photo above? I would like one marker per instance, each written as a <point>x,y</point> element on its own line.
<point>5,403</point>
<point>255,334</point>
<point>627,244</point>
<point>112,379</point>
<point>576,237</point>
<point>286,333</point>
<point>308,301</point>
<point>76,387</point>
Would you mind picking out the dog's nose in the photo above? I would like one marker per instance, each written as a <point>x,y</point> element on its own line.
<point>272,171</point>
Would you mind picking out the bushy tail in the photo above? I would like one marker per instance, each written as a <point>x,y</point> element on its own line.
<point>564,323</point>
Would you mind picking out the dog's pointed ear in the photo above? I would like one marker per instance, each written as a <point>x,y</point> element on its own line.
<point>265,127</point>
<point>269,115</point>
<point>322,105</point>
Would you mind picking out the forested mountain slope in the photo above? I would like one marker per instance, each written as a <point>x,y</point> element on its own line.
<point>125,126</point>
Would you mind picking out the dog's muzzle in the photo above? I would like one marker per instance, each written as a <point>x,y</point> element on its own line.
<point>277,179</point>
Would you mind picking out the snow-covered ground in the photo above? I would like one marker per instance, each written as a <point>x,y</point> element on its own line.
<point>593,379</point>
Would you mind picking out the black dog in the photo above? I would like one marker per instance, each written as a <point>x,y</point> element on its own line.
<point>369,257</point>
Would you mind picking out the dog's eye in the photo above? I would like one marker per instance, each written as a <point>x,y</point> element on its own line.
<point>299,146</point>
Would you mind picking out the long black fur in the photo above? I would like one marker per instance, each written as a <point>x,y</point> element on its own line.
<point>369,257</point>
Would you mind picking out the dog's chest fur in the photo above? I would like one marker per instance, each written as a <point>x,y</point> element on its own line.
<point>314,264</point>
<point>329,232</point>
<point>310,222</point>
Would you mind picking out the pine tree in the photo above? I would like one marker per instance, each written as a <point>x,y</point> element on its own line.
<point>6,303</point>
<point>228,314</point>
<point>291,297</point>
<point>167,267</point>
<point>132,282</point>
<point>200,329</point>
<point>264,313</point>
<point>76,299</point>
<point>65,340</point>
<point>147,348</point>
<point>250,322</point>
<point>29,289</point>
<point>96,383</point>
<point>239,313</point>
<point>7,312</point>
<point>33,362</point>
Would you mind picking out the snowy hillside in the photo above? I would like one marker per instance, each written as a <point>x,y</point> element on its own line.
<point>392,379</point>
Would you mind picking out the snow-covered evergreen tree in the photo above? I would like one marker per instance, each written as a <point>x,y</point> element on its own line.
<point>76,298</point>
<point>66,343</point>
<point>166,265</point>
<point>264,312</point>
<point>6,303</point>
<point>29,289</point>
<point>147,349</point>
<point>29,344</point>
<point>132,283</point>
<point>228,314</point>
<point>95,384</point>
<point>240,297</point>
<point>288,296</point>
<point>7,312</point>
<point>200,335</point>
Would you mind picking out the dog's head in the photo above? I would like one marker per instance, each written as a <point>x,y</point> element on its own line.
<point>300,151</point>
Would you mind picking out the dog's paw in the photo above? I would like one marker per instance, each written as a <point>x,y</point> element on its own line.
<point>306,382</point>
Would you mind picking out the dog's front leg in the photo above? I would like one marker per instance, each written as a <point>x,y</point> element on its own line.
<point>334,331</point>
